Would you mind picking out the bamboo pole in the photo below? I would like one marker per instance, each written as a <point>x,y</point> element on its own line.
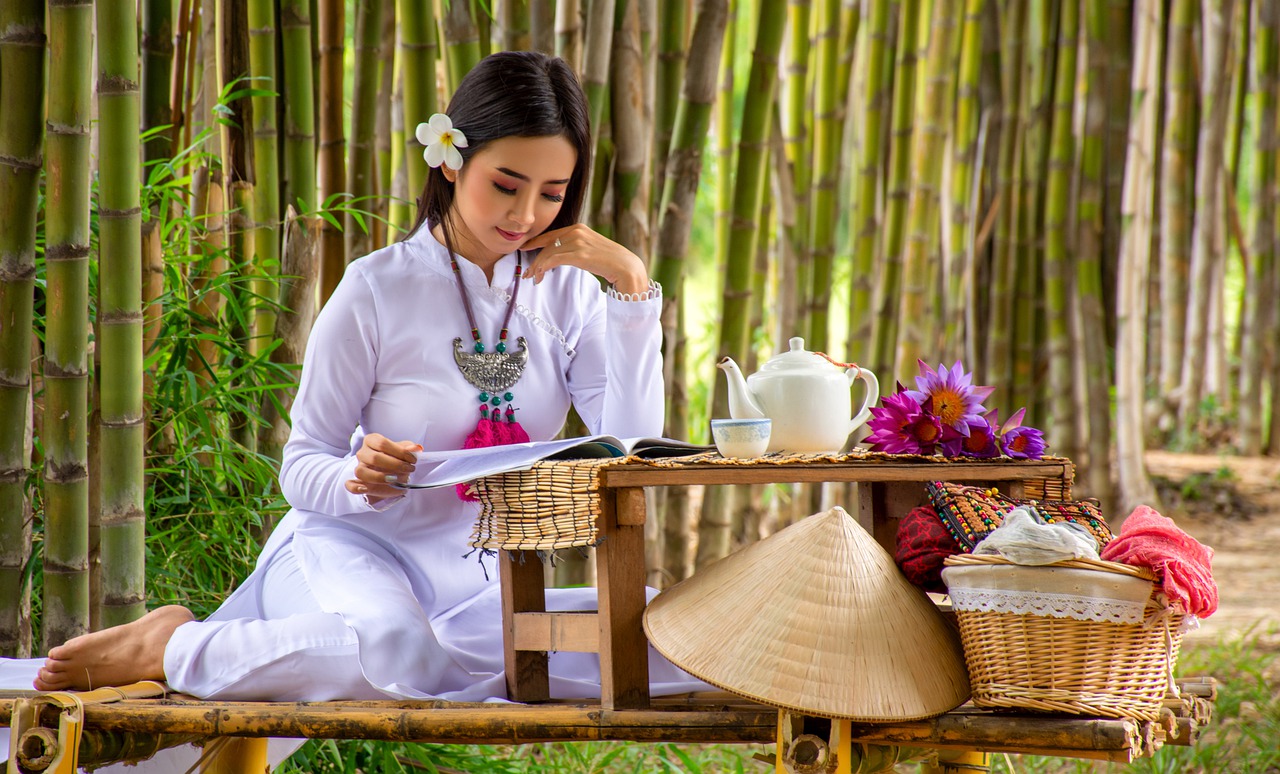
<point>630,103</point>
<point>1119,42</point>
<point>266,154</point>
<point>865,228</point>
<point>966,171</point>
<point>915,339</point>
<point>1176,195</point>
<point>794,105</point>
<point>361,166</point>
<point>888,267</point>
<point>1135,257</point>
<point>461,40</point>
<point>22,40</point>
<point>388,143</point>
<point>1093,405</point>
<point>542,25</point>
<point>299,107</point>
<point>332,170</point>
<point>598,48</point>
<point>998,360</point>
<point>120,316</point>
<point>418,50</point>
<point>1258,316</point>
<point>827,136</point>
<point>672,43</point>
<point>568,32</point>
<point>293,324</point>
<point>1208,241</point>
<point>400,204</point>
<point>1058,283</point>
<point>157,74</point>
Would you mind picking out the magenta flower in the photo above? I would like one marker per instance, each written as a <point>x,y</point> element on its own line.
<point>1019,442</point>
<point>902,426</point>
<point>957,402</point>
<point>980,442</point>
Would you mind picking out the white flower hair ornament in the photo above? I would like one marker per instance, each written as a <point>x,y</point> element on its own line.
<point>442,142</point>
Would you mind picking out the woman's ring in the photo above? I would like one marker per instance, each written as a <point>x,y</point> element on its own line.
<point>557,242</point>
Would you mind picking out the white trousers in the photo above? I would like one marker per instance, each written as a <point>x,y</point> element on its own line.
<point>295,645</point>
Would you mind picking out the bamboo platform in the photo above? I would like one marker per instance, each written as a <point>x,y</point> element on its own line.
<point>129,726</point>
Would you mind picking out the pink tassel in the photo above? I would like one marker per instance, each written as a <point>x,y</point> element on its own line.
<point>490,432</point>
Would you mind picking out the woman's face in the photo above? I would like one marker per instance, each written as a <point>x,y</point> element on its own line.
<point>507,193</point>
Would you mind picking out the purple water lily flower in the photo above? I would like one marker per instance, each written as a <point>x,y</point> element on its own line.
<point>980,442</point>
<point>902,426</point>
<point>1019,442</point>
<point>957,402</point>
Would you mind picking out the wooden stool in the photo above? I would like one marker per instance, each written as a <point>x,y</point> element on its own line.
<point>529,631</point>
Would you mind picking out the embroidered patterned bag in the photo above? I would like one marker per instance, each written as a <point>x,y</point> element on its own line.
<point>970,513</point>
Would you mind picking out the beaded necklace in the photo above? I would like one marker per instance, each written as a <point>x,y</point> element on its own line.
<point>492,373</point>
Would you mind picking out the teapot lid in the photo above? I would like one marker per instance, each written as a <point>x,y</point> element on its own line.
<point>796,359</point>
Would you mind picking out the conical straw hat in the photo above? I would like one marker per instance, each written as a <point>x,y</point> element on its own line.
<point>815,618</point>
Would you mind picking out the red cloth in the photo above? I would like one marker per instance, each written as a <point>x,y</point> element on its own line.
<point>923,544</point>
<point>1180,562</point>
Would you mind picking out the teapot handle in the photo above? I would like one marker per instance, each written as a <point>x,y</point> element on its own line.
<point>873,395</point>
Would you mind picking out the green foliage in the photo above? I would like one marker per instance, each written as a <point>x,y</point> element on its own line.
<point>330,757</point>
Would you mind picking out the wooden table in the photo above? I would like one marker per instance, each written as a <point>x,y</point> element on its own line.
<point>884,492</point>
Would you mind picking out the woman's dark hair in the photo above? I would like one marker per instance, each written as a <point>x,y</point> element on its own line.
<point>520,94</point>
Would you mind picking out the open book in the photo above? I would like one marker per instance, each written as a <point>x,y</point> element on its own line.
<point>446,468</point>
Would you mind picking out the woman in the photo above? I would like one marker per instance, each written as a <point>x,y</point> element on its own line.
<point>362,591</point>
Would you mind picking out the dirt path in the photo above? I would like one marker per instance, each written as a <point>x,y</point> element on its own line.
<point>1233,505</point>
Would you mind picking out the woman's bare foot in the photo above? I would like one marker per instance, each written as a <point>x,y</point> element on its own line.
<point>116,656</point>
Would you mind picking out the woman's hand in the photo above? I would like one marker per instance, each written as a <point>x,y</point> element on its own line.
<point>578,245</point>
<point>378,458</point>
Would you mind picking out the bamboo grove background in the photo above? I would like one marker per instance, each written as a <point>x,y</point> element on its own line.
<point>1078,198</point>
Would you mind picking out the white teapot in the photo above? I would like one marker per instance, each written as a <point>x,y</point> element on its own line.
<point>805,395</point>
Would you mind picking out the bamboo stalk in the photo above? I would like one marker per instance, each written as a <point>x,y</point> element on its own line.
<point>1095,427</point>
<point>418,51</point>
<point>22,40</point>
<point>514,22</point>
<point>888,273</point>
<point>1135,484</point>
<point>966,168</point>
<point>672,43</point>
<point>1208,242</point>
<point>157,73</point>
<point>598,48</point>
<point>631,134</point>
<point>998,360</point>
<point>794,106</point>
<point>1258,317</point>
<point>929,148</point>
<point>293,324</point>
<point>829,104</point>
<point>120,316</point>
<point>299,107</point>
<point>388,143</point>
<point>569,32</point>
<point>266,154</point>
<point>865,228</point>
<point>400,204</point>
<point>361,166</point>
<point>1058,266</point>
<point>184,52</point>
<point>461,40</point>
<point>332,170</point>
<point>542,25</point>
<point>1176,194</point>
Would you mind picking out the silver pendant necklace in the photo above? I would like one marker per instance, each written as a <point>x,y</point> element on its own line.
<point>493,373</point>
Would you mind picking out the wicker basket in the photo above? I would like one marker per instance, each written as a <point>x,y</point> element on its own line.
<point>552,505</point>
<point>1050,661</point>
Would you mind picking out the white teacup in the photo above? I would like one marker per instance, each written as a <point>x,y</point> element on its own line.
<point>741,437</point>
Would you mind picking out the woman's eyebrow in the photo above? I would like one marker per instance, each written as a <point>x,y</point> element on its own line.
<point>525,178</point>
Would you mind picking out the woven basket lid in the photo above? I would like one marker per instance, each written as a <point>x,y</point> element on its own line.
<point>815,618</point>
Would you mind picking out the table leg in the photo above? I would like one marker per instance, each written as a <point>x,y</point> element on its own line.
<point>620,572</point>
<point>523,591</point>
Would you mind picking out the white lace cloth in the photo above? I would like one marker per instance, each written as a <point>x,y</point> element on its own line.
<point>1047,604</point>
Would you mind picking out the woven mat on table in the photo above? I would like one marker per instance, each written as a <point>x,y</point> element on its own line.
<point>552,505</point>
<point>1059,489</point>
